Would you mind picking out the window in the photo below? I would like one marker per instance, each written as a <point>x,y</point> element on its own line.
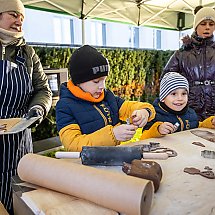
<point>158,39</point>
<point>62,30</point>
<point>104,34</point>
<point>136,37</point>
<point>96,33</point>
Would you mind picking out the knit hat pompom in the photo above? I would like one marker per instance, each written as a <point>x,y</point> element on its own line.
<point>86,64</point>
<point>12,5</point>
<point>172,81</point>
<point>197,9</point>
<point>203,13</point>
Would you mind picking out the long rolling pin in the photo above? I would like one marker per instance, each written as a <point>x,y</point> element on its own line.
<point>110,155</point>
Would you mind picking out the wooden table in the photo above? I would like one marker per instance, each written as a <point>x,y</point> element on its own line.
<point>181,193</point>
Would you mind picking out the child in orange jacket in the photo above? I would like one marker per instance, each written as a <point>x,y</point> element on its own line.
<point>87,114</point>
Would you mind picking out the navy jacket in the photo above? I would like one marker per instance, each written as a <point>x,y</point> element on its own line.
<point>188,120</point>
<point>89,116</point>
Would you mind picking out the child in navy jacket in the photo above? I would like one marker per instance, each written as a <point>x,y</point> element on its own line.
<point>87,114</point>
<point>172,109</point>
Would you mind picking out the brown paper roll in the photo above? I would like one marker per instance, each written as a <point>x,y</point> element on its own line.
<point>119,192</point>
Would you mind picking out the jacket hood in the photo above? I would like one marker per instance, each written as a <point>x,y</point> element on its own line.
<point>65,93</point>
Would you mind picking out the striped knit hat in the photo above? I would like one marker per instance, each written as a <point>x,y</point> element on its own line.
<point>172,81</point>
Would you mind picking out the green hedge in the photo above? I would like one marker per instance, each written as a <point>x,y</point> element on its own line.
<point>134,75</point>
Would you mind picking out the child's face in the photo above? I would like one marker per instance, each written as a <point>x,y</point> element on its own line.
<point>95,87</point>
<point>205,28</point>
<point>177,99</point>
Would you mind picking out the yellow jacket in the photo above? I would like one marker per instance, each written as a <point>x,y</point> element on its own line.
<point>153,131</point>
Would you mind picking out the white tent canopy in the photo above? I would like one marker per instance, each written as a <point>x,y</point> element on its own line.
<point>169,14</point>
<point>155,13</point>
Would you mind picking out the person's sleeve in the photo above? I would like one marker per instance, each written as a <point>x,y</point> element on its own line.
<point>207,123</point>
<point>73,140</point>
<point>42,94</point>
<point>128,107</point>
<point>152,132</point>
<point>172,65</point>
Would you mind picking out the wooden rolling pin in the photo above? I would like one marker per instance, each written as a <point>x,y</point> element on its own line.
<point>110,155</point>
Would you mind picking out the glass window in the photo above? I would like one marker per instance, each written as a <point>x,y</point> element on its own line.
<point>158,39</point>
<point>62,30</point>
<point>136,37</point>
<point>96,30</point>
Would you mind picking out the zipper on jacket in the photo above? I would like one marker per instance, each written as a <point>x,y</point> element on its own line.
<point>181,122</point>
<point>205,53</point>
<point>102,115</point>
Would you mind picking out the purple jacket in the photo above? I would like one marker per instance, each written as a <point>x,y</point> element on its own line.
<point>196,61</point>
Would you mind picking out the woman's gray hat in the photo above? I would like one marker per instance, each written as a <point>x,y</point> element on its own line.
<point>205,13</point>
<point>86,64</point>
<point>172,81</point>
<point>12,5</point>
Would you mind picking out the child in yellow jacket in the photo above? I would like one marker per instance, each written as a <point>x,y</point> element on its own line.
<point>172,111</point>
<point>87,114</point>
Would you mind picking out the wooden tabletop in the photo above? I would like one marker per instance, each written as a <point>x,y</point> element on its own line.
<point>180,193</point>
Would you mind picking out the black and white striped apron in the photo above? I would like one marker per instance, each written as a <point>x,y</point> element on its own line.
<point>15,92</point>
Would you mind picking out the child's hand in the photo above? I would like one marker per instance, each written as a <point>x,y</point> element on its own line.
<point>140,117</point>
<point>166,128</point>
<point>124,132</point>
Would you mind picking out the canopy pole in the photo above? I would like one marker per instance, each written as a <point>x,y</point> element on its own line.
<point>179,39</point>
<point>200,2</point>
<point>82,22</point>
<point>83,31</point>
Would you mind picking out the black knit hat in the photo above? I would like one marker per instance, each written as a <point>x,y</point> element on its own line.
<point>87,64</point>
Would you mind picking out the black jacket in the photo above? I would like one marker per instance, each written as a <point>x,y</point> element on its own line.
<point>196,61</point>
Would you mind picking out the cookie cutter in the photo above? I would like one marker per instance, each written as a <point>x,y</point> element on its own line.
<point>208,154</point>
<point>156,148</point>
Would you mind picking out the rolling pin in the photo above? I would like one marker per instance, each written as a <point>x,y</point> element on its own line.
<point>110,155</point>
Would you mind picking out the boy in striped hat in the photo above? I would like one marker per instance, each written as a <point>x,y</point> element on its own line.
<point>172,111</point>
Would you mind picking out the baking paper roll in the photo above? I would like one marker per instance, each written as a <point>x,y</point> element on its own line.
<point>116,191</point>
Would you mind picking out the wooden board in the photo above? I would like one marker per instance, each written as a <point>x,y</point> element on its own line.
<point>15,125</point>
<point>53,203</point>
<point>8,123</point>
<point>3,210</point>
<point>48,202</point>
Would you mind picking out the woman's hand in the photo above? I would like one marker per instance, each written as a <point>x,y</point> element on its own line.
<point>166,128</point>
<point>140,117</point>
<point>124,132</point>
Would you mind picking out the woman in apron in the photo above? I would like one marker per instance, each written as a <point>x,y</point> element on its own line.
<point>24,91</point>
